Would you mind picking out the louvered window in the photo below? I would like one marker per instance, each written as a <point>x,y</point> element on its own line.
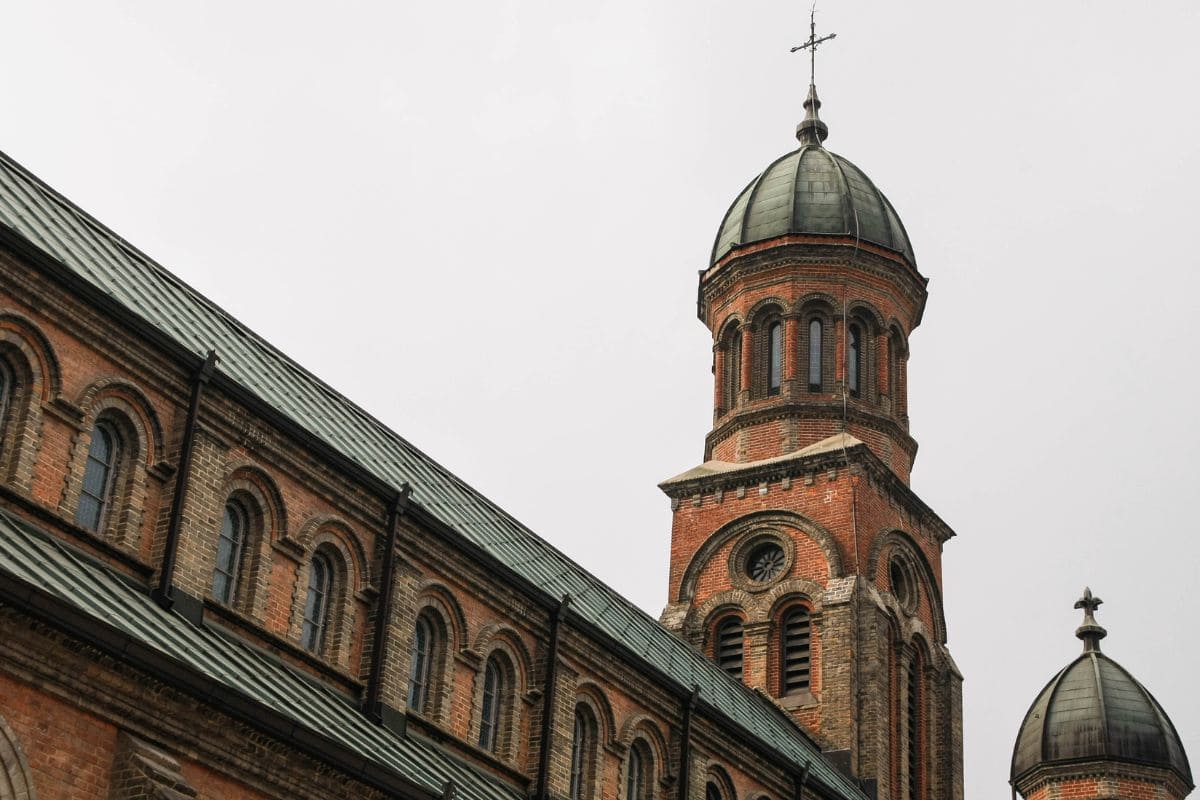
<point>99,475</point>
<point>489,715</point>
<point>795,661</point>
<point>729,646</point>
<point>814,355</point>
<point>914,730</point>
<point>421,664</point>
<point>230,543</point>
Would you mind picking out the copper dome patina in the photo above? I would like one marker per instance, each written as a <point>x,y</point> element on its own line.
<point>1094,710</point>
<point>811,191</point>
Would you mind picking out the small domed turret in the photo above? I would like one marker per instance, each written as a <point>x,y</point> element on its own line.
<point>1094,719</point>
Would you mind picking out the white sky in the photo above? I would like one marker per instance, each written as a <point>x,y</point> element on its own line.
<point>484,222</point>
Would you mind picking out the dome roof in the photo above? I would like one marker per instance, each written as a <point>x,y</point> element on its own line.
<point>811,191</point>
<point>1095,710</point>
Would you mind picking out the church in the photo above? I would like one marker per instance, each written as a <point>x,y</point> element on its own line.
<point>219,577</point>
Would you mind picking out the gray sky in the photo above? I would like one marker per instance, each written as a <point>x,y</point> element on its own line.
<point>483,223</point>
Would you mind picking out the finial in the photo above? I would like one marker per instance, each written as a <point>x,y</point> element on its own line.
<point>1090,632</point>
<point>812,131</point>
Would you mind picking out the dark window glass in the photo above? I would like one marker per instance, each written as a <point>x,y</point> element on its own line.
<point>914,730</point>
<point>854,361</point>
<point>98,478</point>
<point>735,366</point>
<point>774,357</point>
<point>712,792</point>
<point>729,646</point>
<point>795,667</point>
<point>229,553</point>
<point>814,355</point>
<point>766,562</point>
<point>316,605</point>
<point>582,746</point>
<point>7,389</point>
<point>489,717</point>
<point>421,663</point>
<point>637,775</point>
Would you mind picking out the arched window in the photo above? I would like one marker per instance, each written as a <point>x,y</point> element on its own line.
<point>712,791</point>
<point>774,357</point>
<point>814,355</point>
<point>729,646</point>
<point>583,748</point>
<point>733,367</point>
<point>795,666</point>
<point>7,390</point>
<point>316,604</point>
<point>491,712</point>
<point>230,544</point>
<point>639,772</point>
<point>421,664</point>
<point>99,477</point>
<point>913,732</point>
<point>854,361</point>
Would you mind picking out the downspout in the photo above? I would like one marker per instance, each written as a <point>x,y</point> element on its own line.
<point>166,575</point>
<point>548,700</point>
<point>801,782</point>
<point>685,744</point>
<point>372,705</point>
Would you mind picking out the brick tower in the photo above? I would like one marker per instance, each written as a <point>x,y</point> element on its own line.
<point>801,560</point>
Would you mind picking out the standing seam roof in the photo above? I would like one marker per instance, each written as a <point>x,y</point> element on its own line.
<point>49,221</point>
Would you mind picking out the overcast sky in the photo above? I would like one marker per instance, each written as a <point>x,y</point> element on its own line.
<point>483,222</point>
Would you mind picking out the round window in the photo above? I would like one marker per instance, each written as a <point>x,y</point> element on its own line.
<point>903,586</point>
<point>766,562</point>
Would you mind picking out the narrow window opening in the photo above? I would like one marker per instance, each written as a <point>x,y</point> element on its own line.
<point>582,746</point>
<point>796,643</point>
<point>230,544</point>
<point>729,646</point>
<point>774,357</point>
<point>814,356</point>
<point>7,390</point>
<point>914,730</point>
<point>712,792</point>
<point>421,664</point>
<point>734,367</point>
<point>98,478</point>
<point>854,361</point>
<point>489,717</point>
<point>316,605</point>
<point>637,775</point>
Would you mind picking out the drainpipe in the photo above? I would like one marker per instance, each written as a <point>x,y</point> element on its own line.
<point>166,575</point>
<point>685,744</point>
<point>548,700</point>
<point>801,781</point>
<point>372,706</point>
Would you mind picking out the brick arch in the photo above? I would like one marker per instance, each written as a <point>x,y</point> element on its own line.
<point>766,307</point>
<point>795,591</point>
<point>734,320</point>
<point>715,772</point>
<point>20,334</point>
<point>896,330</point>
<point>867,311</point>
<point>435,595</point>
<point>114,392</point>
<point>253,479</point>
<point>437,603</point>
<point>593,696</point>
<point>926,577</point>
<point>643,727</point>
<point>255,491</point>
<point>700,619</point>
<point>16,783</point>
<point>747,525</point>
<point>818,302</point>
<point>355,553</point>
<point>508,651</point>
<point>498,634</point>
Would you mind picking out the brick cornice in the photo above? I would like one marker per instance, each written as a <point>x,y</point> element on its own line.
<point>808,409</point>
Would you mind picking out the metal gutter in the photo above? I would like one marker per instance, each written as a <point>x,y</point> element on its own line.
<point>383,611</point>
<point>685,744</point>
<point>548,697</point>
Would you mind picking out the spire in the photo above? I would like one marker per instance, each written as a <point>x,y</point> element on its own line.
<point>1090,632</point>
<point>812,131</point>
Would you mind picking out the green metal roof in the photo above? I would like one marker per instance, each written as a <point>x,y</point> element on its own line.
<point>44,564</point>
<point>64,232</point>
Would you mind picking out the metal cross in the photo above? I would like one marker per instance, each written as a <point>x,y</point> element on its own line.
<point>1089,604</point>
<point>811,44</point>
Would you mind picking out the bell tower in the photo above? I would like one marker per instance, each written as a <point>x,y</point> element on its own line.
<point>801,560</point>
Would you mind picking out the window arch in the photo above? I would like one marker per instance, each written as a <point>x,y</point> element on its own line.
<point>583,753</point>
<point>731,380</point>
<point>639,771</point>
<point>315,624</point>
<point>795,651</point>
<point>712,791</point>
<point>8,389</point>
<point>728,646</point>
<point>231,551</point>
<point>424,663</point>
<point>99,477</point>
<point>495,704</point>
<point>816,349</point>
<point>912,728</point>
<point>774,360</point>
<point>854,359</point>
